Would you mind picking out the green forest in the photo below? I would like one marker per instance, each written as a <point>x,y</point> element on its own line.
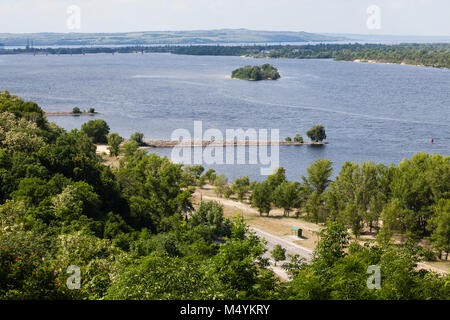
<point>134,233</point>
<point>432,55</point>
<point>256,73</point>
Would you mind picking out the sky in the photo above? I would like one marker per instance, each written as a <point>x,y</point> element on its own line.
<point>396,17</point>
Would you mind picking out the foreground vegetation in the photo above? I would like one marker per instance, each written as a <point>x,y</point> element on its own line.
<point>134,233</point>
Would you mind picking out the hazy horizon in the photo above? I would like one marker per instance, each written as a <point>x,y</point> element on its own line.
<point>424,18</point>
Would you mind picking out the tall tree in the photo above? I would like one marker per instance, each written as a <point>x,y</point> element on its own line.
<point>114,141</point>
<point>287,196</point>
<point>317,133</point>
<point>261,197</point>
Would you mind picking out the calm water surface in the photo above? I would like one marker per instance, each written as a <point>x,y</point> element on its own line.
<point>371,112</point>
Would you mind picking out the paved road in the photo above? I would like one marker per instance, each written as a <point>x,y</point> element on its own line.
<point>291,248</point>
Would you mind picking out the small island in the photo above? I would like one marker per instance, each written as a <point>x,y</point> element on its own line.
<point>256,73</point>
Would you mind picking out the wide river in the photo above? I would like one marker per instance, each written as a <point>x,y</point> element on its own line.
<point>371,112</point>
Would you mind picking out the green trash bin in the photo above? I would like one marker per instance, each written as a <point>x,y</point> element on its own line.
<point>298,231</point>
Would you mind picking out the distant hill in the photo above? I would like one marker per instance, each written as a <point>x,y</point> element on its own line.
<point>386,38</point>
<point>162,37</point>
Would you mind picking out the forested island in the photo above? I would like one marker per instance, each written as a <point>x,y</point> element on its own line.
<point>431,55</point>
<point>134,232</point>
<point>256,73</point>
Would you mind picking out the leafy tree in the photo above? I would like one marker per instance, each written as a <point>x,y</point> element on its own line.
<point>209,176</point>
<point>228,192</point>
<point>441,227</point>
<point>131,148</point>
<point>27,110</point>
<point>239,265</point>
<point>333,241</point>
<point>114,141</point>
<point>298,138</point>
<point>19,134</point>
<point>261,197</point>
<point>241,186</point>
<point>278,253</point>
<point>209,221</point>
<point>138,137</point>
<point>317,133</point>
<point>97,130</point>
<point>276,178</point>
<point>397,218</point>
<point>319,173</point>
<point>287,196</point>
<point>76,110</point>
<point>220,184</point>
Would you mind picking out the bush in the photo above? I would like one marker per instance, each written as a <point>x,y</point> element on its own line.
<point>288,139</point>
<point>298,138</point>
<point>278,253</point>
<point>76,110</point>
<point>91,110</point>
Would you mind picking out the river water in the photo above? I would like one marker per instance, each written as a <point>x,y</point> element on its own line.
<point>371,112</point>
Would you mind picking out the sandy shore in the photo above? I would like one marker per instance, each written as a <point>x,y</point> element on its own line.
<point>382,62</point>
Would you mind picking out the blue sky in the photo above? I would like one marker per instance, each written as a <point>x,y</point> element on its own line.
<point>399,17</point>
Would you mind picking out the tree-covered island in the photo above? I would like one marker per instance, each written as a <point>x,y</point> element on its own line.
<point>256,73</point>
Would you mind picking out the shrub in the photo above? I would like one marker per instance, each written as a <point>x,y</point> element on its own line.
<point>298,138</point>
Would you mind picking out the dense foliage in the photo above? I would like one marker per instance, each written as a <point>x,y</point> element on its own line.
<point>265,72</point>
<point>432,55</point>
